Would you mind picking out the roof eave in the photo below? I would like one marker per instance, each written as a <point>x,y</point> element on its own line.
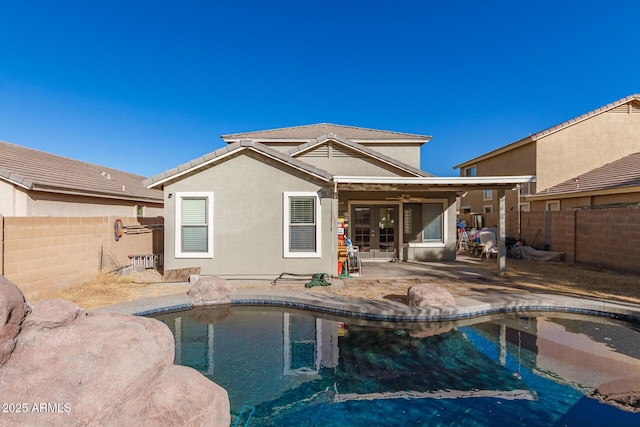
<point>188,170</point>
<point>496,152</point>
<point>98,195</point>
<point>588,193</point>
<point>434,180</point>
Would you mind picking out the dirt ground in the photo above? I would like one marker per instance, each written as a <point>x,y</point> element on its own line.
<point>521,276</point>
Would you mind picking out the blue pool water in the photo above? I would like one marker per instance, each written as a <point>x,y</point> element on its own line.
<point>286,367</point>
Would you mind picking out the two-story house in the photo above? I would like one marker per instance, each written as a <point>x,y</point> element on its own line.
<point>277,200</point>
<point>567,160</point>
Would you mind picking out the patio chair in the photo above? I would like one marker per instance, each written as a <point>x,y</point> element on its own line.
<point>488,244</point>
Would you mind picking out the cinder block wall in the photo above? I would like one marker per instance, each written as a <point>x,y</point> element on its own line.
<point>606,238</point>
<point>609,238</point>
<point>43,255</point>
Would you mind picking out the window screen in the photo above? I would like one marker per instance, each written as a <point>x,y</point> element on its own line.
<point>433,218</point>
<point>194,225</point>
<point>302,224</point>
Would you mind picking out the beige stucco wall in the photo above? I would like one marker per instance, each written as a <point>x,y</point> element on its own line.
<point>283,147</point>
<point>50,204</point>
<point>587,145</point>
<point>43,255</point>
<point>13,200</point>
<point>519,161</point>
<point>248,218</point>
<point>581,201</point>
<point>405,153</point>
<point>339,160</point>
<point>407,251</point>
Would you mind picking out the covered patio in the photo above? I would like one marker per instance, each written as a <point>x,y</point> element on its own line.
<point>381,212</point>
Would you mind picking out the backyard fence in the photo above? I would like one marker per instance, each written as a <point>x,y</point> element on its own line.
<point>604,238</point>
<point>43,255</point>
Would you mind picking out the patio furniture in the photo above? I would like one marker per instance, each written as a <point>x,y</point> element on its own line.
<point>488,244</point>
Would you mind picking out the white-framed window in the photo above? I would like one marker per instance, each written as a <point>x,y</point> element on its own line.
<point>525,207</point>
<point>194,225</point>
<point>488,195</point>
<point>553,205</point>
<point>301,228</point>
<point>470,171</point>
<point>525,189</point>
<point>429,223</point>
<point>433,218</point>
<point>488,209</point>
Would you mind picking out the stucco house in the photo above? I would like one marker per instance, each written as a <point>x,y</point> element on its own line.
<point>276,201</point>
<point>559,157</point>
<point>35,183</point>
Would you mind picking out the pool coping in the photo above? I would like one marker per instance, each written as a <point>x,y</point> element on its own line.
<point>394,311</point>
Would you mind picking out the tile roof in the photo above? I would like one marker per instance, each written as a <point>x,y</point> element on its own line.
<point>620,174</point>
<point>39,171</point>
<point>309,132</point>
<point>237,146</point>
<point>552,129</point>
<point>358,147</point>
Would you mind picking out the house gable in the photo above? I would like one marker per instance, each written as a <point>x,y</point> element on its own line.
<point>628,105</point>
<point>249,191</point>
<point>343,157</point>
<point>211,159</point>
<point>402,147</point>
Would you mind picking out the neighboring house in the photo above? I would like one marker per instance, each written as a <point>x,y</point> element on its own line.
<point>272,201</point>
<point>35,183</point>
<point>616,184</point>
<point>560,154</point>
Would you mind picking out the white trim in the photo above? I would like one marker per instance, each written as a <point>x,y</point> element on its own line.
<point>285,227</point>
<point>227,154</point>
<point>487,209</point>
<point>432,180</point>
<point>551,203</point>
<point>326,141</point>
<point>19,184</point>
<point>178,225</point>
<point>475,171</point>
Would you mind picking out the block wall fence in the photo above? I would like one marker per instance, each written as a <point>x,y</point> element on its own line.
<point>602,238</point>
<point>44,255</point>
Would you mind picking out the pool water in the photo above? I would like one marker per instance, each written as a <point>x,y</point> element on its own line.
<point>286,367</point>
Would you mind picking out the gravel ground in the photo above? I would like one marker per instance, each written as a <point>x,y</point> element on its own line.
<point>521,276</point>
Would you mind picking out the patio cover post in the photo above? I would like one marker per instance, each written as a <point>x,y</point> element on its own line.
<point>502,248</point>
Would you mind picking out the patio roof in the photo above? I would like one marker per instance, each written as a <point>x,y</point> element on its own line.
<point>431,183</point>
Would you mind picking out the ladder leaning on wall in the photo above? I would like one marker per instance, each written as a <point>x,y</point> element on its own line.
<point>463,241</point>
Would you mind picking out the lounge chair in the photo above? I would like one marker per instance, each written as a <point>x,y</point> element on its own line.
<point>488,244</point>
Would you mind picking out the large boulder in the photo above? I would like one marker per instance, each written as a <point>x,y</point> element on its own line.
<point>210,290</point>
<point>13,309</point>
<point>76,368</point>
<point>429,294</point>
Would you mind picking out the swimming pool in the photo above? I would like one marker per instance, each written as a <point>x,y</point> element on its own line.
<point>290,367</point>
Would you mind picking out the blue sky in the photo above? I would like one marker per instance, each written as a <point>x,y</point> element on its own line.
<point>143,86</point>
